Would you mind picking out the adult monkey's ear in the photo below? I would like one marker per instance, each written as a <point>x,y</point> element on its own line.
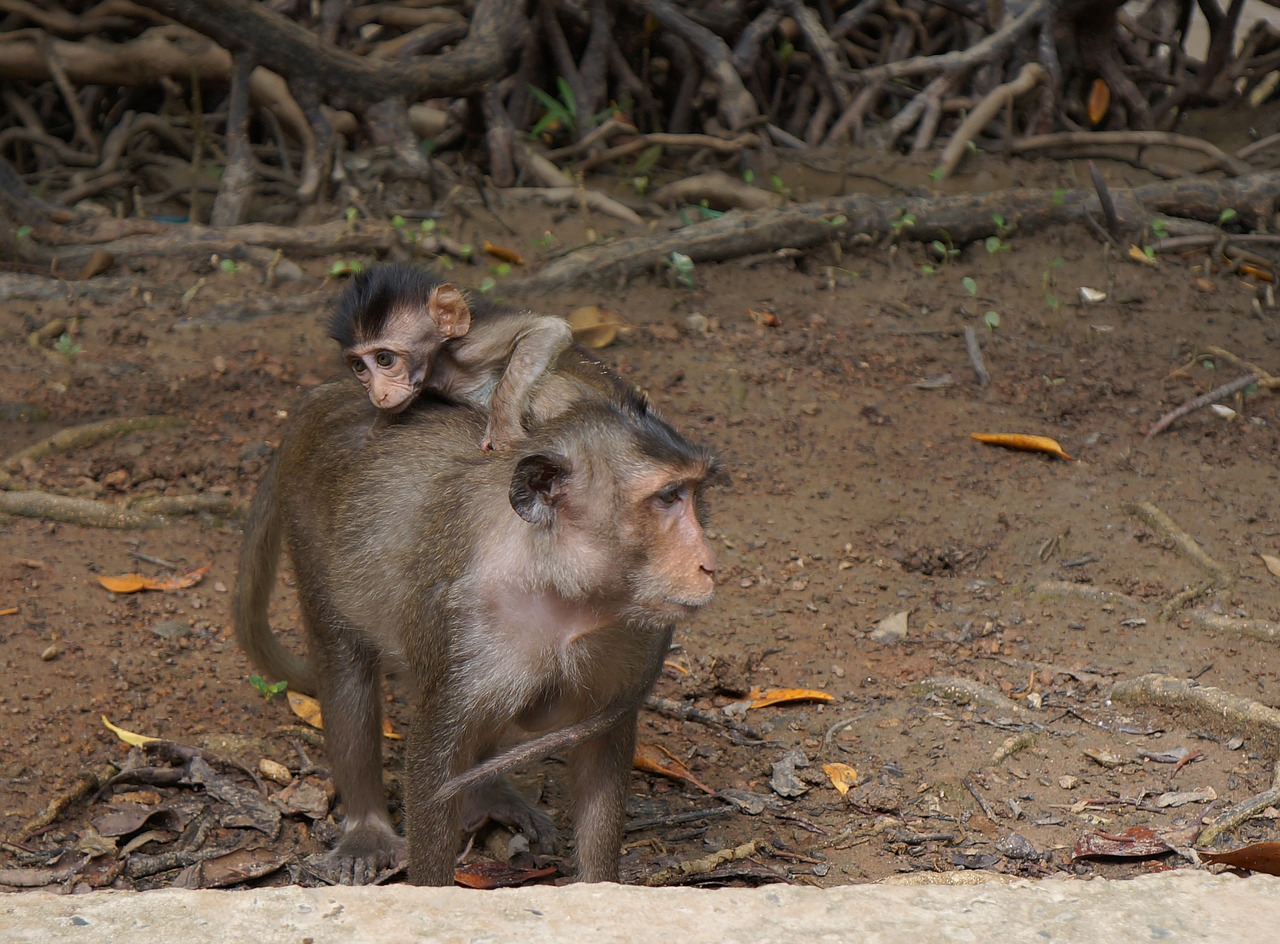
<point>539,482</point>
<point>449,310</point>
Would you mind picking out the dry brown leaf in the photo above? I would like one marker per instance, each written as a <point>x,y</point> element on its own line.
<point>308,709</point>
<point>1020,441</point>
<point>133,740</point>
<point>132,583</point>
<point>766,318</point>
<point>842,776</point>
<point>503,253</point>
<point>488,875</point>
<point>1099,101</point>
<point>1273,564</point>
<point>1256,857</point>
<point>595,327</point>
<point>776,696</point>
<point>653,759</point>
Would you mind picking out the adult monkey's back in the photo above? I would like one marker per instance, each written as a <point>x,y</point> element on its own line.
<point>537,589</point>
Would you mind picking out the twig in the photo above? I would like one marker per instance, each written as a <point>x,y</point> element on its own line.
<point>982,801</point>
<point>975,356</point>
<point>666,140</point>
<point>1200,402</point>
<point>1265,379</point>
<point>682,712</point>
<point>1104,199</point>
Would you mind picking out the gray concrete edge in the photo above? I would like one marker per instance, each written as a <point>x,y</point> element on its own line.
<point>1171,907</point>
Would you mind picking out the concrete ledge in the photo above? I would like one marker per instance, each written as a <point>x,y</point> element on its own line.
<point>1173,907</point>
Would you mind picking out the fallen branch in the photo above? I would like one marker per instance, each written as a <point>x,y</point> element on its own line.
<point>851,219</point>
<point>98,514</point>
<point>1156,519</point>
<point>1200,402</point>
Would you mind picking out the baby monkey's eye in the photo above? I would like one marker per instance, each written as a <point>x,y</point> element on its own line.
<point>359,366</point>
<point>384,359</point>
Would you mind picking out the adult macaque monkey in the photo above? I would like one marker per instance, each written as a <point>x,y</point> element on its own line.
<point>403,331</point>
<point>536,589</point>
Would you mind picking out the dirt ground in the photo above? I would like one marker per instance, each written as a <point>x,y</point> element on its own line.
<point>856,494</point>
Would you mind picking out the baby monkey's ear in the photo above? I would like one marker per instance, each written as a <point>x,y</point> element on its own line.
<point>449,310</point>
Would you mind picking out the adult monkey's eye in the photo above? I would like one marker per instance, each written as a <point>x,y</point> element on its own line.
<point>671,494</point>
<point>384,359</point>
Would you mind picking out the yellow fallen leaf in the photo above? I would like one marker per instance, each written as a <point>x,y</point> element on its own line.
<point>133,740</point>
<point>775,696</point>
<point>308,709</point>
<point>1099,101</point>
<point>595,327</point>
<point>1138,254</point>
<point>132,583</point>
<point>1020,441</point>
<point>503,253</point>
<point>653,759</point>
<point>1273,564</point>
<point>842,776</point>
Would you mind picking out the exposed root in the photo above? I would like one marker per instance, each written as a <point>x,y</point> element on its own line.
<point>87,435</point>
<point>1231,714</point>
<point>87,782</point>
<point>141,513</point>
<point>685,870</point>
<point>967,691</point>
<point>1200,402</point>
<point>1254,629</point>
<point>1229,819</point>
<point>1052,588</point>
<point>1162,524</point>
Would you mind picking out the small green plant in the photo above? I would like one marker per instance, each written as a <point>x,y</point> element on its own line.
<point>944,250</point>
<point>1160,229</point>
<point>970,285</point>
<point>779,187</point>
<point>487,285</point>
<point>228,265</point>
<point>702,211</point>
<point>341,268</point>
<point>427,227</point>
<point>545,241</point>
<point>351,215</point>
<point>268,690</point>
<point>1059,197</point>
<point>748,176</point>
<point>1226,216</point>
<point>500,269</point>
<point>398,222</point>
<point>904,221</point>
<point>562,112</point>
<point>991,319</point>
<point>23,232</point>
<point>997,242</point>
<point>681,267</point>
<point>66,347</point>
<point>466,250</point>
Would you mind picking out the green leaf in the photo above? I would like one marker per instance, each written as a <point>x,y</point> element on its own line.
<point>228,265</point>
<point>351,214</point>
<point>398,221</point>
<point>487,284</point>
<point>1226,216</point>
<point>970,285</point>
<point>991,319</point>
<point>24,231</point>
<point>993,243</point>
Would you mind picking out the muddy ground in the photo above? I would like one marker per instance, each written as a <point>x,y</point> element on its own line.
<point>856,493</point>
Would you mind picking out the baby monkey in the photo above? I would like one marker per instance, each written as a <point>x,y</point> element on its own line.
<point>403,330</point>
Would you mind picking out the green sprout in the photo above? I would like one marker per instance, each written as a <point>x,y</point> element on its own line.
<point>341,268</point>
<point>991,319</point>
<point>682,267</point>
<point>66,347</point>
<point>268,690</point>
<point>562,112</point>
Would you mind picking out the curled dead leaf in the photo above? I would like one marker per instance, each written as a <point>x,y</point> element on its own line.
<point>842,776</point>
<point>503,253</point>
<point>1138,254</point>
<point>308,709</point>
<point>1273,564</point>
<point>653,759</point>
<point>776,696</point>
<point>596,327</point>
<point>133,740</point>
<point>132,583</point>
<point>1257,857</point>
<point>1020,441</point>
<point>766,318</point>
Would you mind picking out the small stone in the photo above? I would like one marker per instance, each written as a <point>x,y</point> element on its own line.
<point>171,629</point>
<point>1068,782</point>
<point>51,652</point>
<point>274,771</point>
